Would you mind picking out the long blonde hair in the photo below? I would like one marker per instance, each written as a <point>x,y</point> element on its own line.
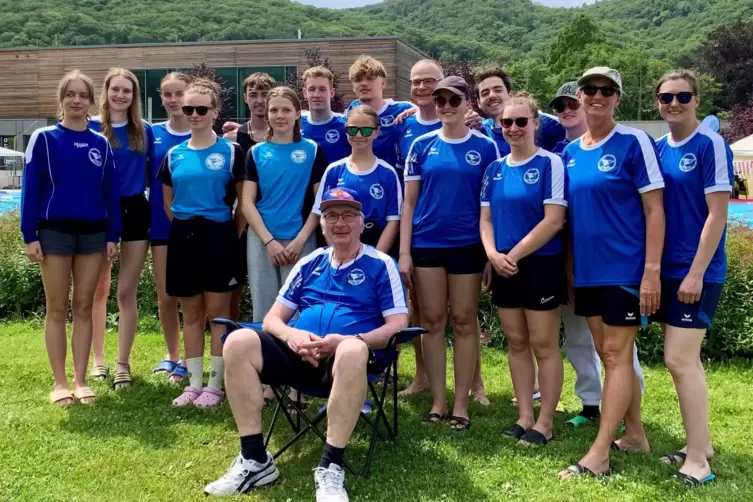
<point>63,86</point>
<point>136,134</point>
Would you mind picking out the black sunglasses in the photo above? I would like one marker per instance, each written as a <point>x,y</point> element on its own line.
<point>560,105</point>
<point>365,131</point>
<point>682,97</point>
<point>201,110</point>
<point>606,90</point>
<point>520,122</point>
<point>441,101</point>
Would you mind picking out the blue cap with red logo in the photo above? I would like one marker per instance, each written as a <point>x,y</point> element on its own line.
<point>340,196</point>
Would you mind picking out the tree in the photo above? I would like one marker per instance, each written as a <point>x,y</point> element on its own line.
<point>314,58</point>
<point>460,69</point>
<point>741,124</point>
<point>203,70</point>
<point>727,56</point>
<point>572,44</point>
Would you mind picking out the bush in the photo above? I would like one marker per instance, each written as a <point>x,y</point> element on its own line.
<point>731,335</point>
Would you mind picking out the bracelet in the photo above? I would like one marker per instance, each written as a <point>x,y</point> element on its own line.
<point>268,242</point>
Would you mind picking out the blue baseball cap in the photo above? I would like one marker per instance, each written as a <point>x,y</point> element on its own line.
<point>340,196</point>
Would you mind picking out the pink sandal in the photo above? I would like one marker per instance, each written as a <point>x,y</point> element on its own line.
<point>190,394</point>
<point>209,398</point>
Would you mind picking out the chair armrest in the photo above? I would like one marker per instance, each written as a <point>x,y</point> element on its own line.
<point>406,335</point>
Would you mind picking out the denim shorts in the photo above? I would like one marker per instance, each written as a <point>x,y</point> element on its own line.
<point>68,243</point>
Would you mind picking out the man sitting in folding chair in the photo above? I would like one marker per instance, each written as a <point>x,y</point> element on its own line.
<point>350,299</point>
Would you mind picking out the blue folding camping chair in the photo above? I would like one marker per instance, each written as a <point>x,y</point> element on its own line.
<point>382,378</point>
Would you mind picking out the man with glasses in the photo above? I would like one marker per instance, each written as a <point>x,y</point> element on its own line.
<point>350,300</point>
<point>493,86</point>
<point>369,79</point>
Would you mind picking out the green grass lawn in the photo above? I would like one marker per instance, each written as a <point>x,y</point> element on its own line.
<point>133,446</point>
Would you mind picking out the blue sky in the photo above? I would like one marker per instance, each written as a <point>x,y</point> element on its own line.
<point>342,4</point>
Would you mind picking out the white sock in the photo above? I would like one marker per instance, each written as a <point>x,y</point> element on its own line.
<point>195,366</point>
<point>216,372</point>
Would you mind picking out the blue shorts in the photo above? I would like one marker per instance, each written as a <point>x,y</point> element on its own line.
<point>687,315</point>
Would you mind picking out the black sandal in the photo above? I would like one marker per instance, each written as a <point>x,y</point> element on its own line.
<point>515,430</point>
<point>460,423</point>
<point>532,437</point>
<point>692,482</point>
<point>577,470</point>
<point>676,457</point>
<point>433,418</point>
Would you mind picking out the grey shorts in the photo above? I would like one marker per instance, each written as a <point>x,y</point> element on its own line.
<point>66,243</point>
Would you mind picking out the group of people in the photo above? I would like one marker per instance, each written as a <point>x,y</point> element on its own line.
<point>566,218</point>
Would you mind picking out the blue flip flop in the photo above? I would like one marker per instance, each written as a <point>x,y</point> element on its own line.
<point>167,366</point>
<point>179,370</point>
<point>691,482</point>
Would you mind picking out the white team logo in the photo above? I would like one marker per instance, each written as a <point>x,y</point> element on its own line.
<point>687,318</point>
<point>473,158</point>
<point>215,162</point>
<point>571,163</point>
<point>340,181</point>
<point>497,176</point>
<point>387,120</point>
<point>296,283</point>
<point>688,162</point>
<point>376,191</point>
<point>95,157</point>
<point>332,136</point>
<point>607,163</point>
<point>158,140</point>
<point>408,134</point>
<point>432,151</point>
<point>298,156</point>
<point>531,176</point>
<point>268,155</point>
<point>356,277</point>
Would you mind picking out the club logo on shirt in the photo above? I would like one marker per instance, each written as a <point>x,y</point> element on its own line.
<point>473,158</point>
<point>340,181</point>
<point>688,162</point>
<point>268,155</point>
<point>408,134</point>
<point>607,163</point>
<point>432,151</point>
<point>215,162</point>
<point>376,191</point>
<point>571,163</point>
<point>531,176</point>
<point>497,176</point>
<point>387,120</point>
<point>332,136</point>
<point>95,157</point>
<point>158,140</point>
<point>356,277</point>
<point>298,156</point>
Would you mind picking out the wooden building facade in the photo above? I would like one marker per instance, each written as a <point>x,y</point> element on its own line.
<point>30,76</point>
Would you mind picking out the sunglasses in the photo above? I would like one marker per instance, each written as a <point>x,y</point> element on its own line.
<point>561,104</point>
<point>521,122</point>
<point>606,90</point>
<point>365,131</point>
<point>201,110</point>
<point>441,101</point>
<point>683,98</point>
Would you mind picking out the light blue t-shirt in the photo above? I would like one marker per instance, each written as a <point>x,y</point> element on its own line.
<point>450,171</point>
<point>607,223</point>
<point>698,165</point>
<point>516,193</point>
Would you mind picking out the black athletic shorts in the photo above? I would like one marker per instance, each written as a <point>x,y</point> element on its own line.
<point>616,305</point>
<point>538,285</point>
<point>136,217</point>
<point>470,259</point>
<point>373,232</point>
<point>201,257</point>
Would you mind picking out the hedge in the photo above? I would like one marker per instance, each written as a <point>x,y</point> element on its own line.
<point>731,335</point>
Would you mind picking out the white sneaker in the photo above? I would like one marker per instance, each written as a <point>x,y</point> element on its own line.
<point>329,484</point>
<point>244,475</point>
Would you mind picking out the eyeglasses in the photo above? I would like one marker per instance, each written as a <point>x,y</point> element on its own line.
<point>561,104</point>
<point>333,217</point>
<point>606,90</point>
<point>365,131</point>
<point>682,97</point>
<point>519,121</point>
<point>428,82</point>
<point>441,101</point>
<point>201,110</point>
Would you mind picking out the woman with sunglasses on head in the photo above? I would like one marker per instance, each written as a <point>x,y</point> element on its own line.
<point>523,209</point>
<point>70,221</point>
<point>281,180</point>
<point>439,236</point>
<point>615,188</point>
<point>697,167</point>
<point>364,173</point>
<point>166,135</point>
<point>578,343</point>
<point>201,178</point>
<point>131,139</point>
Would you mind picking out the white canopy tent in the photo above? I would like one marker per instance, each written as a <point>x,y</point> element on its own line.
<point>5,152</point>
<point>742,152</point>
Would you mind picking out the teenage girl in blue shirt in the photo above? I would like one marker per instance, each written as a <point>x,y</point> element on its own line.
<point>70,220</point>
